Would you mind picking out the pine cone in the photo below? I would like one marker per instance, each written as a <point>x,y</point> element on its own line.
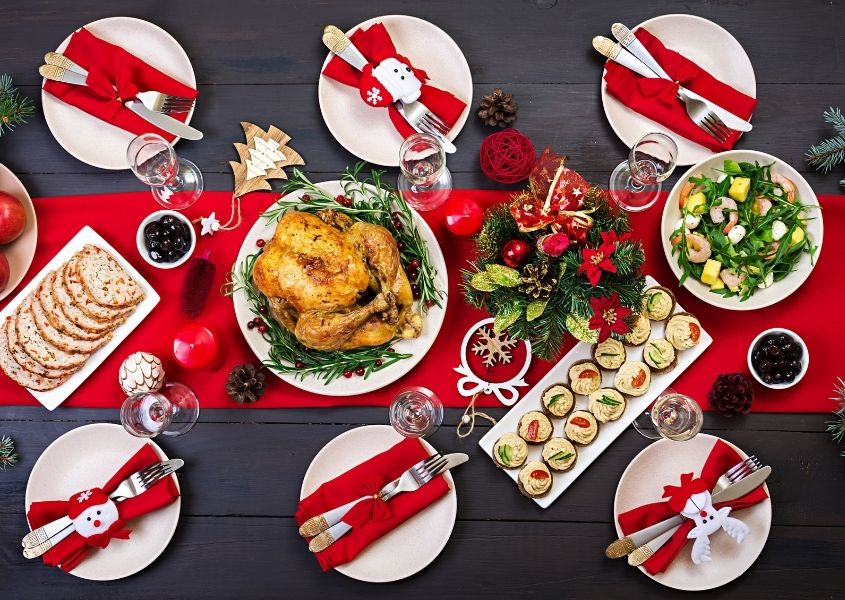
<point>245,383</point>
<point>537,281</point>
<point>498,108</point>
<point>731,394</point>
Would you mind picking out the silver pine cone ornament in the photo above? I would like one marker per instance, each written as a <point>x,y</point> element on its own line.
<point>537,280</point>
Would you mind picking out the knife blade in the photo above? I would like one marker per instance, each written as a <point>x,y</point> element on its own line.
<point>619,54</point>
<point>341,528</point>
<point>38,541</point>
<point>647,541</point>
<point>168,124</point>
<point>338,43</point>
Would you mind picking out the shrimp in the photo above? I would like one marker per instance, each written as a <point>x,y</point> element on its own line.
<point>698,248</point>
<point>771,251</point>
<point>686,191</point>
<point>717,213</point>
<point>762,206</point>
<point>786,184</point>
<point>732,279</point>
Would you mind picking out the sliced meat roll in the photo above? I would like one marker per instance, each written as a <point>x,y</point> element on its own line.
<point>87,304</point>
<point>75,314</point>
<point>23,377</point>
<point>56,316</point>
<point>42,351</point>
<point>106,282</point>
<point>10,333</point>
<point>61,340</point>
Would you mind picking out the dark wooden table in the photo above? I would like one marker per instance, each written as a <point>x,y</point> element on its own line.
<point>259,61</point>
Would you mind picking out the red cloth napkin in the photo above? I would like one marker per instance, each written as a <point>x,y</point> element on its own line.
<point>375,44</point>
<point>111,67</point>
<point>68,553</point>
<point>371,519</point>
<point>656,99</point>
<point>721,458</point>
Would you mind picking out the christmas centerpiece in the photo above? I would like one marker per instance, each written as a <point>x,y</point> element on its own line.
<point>558,258</point>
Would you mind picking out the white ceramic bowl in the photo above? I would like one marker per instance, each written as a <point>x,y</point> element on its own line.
<point>781,289</point>
<point>805,359</point>
<point>142,248</point>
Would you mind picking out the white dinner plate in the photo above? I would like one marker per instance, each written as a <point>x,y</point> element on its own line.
<point>367,132</point>
<point>87,457</point>
<point>703,42</point>
<point>90,139</point>
<point>418,347</point>
<point>415,543</point>
<point>608,432</point>
<point>53,398</point>
<point>19,253</point>
<point>661,464</point>
<point>779,290</point>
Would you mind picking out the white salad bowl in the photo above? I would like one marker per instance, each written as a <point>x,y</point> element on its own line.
<point>805,359</point>
<point>780,289</point>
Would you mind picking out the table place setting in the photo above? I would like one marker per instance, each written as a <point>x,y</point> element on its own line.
<point>543,308</point>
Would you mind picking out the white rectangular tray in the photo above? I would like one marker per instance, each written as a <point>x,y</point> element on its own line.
<point>608,432</point>
<point>53,398</point>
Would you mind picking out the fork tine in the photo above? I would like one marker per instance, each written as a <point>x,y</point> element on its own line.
<point>737,466</point>
<point>706,127</point>
<point>714,118</point>
<point>716,125</point>
<point>432,470</point>
<point>178,103</point>
<point>151,474</point>
<point>436,124</point>
<point>433,466</point>
<point>436,119</point>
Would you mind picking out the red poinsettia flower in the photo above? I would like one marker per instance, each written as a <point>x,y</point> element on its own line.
<point>597,260</point>
<point>609,316</point>
<point>610,237</point>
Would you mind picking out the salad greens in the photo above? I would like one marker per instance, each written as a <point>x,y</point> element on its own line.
<point>744,230</point>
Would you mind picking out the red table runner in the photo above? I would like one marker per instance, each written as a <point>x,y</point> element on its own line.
<point>811,311</point>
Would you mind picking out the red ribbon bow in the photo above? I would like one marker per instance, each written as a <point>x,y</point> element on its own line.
<point>373,508</point>
<point>376,45</point>
<point>666,90</point>
<point>114,91</point>
<point>721,458</point>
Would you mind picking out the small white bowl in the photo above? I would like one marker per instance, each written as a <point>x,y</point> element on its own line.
<point>142,248</point>
<point>805,359</point>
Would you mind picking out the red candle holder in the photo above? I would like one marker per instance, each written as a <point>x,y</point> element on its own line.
<point>195,346</point>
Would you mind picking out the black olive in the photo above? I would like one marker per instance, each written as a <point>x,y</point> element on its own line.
<point>777,377</point>
<point>788,376</point>
<point>766,377</point>
<point>787,347</point>
<point>180,244</point>
<point>797,351</point>
<point>153,244</point>
<point>783,364</point>
<point>765,366</point>
<point>152,230</point>
<point>173,256</point>
<point>773,351</point>
<point>770,340</point>
<point>166,220</point>
<point>166,244</point>
<point>795,365</point>
<point>757,356</point>
<point>156,256</point>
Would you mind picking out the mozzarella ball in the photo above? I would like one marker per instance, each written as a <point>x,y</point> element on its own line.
<point>779,230</point>
<point>692,221</point>
<point>736,234</point>
<point>768,280</point>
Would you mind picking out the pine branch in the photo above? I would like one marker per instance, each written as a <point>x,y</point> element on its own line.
<point>837,426</point>
<point>14,108</point>
<point>835,117</point>
<point>8,456</point>
<point>830,152</point>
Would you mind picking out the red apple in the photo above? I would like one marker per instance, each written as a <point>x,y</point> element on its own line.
<point>4,271</point>
<point>12,218</point>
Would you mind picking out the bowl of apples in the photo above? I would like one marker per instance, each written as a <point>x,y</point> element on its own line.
<point>18,231</point>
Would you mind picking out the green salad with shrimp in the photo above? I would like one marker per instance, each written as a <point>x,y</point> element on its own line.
<point>744,231</point>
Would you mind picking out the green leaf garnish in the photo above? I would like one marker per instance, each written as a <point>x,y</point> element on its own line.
<point>555,398</point>
<point>562,455</point>
<point>608,401</point>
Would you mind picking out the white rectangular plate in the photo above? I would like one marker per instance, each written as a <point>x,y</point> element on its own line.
<point>608,432</point>
<point>53,398</point>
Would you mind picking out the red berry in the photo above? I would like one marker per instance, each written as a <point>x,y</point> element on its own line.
<point>415,263</point>
<point>397,225</point>
<point>347,373</point>
<point>413,274</point>
<point>415,289</point>
<point>360,371</point>
<point>250,325</point>
<point>379,362</point>
<point>391,350</point>
<point>262,309</point>
<point>400,246</point>
<point>256,321</point>
<point>347,202</point>
<point>395,216</point>
<point>340,198</point>
<point>305,197</point>
<point>260,243</point>
<point>299,364</point>
<point>429,303</point>
<point>262,328</point>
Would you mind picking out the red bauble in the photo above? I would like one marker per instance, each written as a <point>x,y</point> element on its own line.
<point>576,228</point>
<point>553,244</point>
<point>463,216</point>
<point>195,346</point>
<point>515,252</point>
<point>507,156</point>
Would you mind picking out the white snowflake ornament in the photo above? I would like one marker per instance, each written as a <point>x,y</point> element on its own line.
<point>374,96</point>
<point>494,348</point>
<point>210,224</point>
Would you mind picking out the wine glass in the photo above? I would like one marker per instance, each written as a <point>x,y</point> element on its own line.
<point>424,182</point>
<point>416,412</point>
<point>673,416</point>
<point>635,183</point>
<point>176,183</point>
<point>173,410</point>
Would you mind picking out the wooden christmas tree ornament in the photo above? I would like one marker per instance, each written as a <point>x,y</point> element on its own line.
<point>264,156</point>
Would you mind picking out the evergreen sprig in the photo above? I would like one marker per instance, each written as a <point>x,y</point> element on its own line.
<point>830,152</point>
<point>837,426</point>
<point>8,456</point>
<point>14,108</point>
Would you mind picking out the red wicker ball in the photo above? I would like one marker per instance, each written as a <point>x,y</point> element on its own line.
<point>507,156</point>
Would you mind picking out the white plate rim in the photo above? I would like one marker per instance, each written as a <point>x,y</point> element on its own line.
<point>47,100</point>
<point>348,568</point>
<point>698,291</point>
<point>29,208</point>
<point>364,154</point>
<point>53,398</point>
<point>653,125</point>
<point>376,381</point>
<point>635,406</point>
<point>767,503</point>
<point>92,427</point>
